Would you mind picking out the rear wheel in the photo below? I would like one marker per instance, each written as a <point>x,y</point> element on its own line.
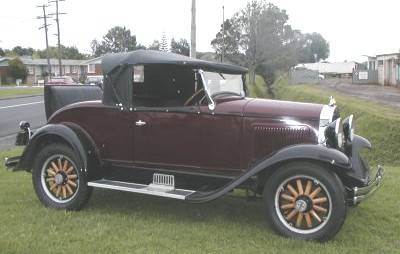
<point>58,179</point>
<point>306,201</point>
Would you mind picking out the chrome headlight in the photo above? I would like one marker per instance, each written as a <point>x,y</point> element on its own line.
<point>334,134</point>
<point>348,128</point>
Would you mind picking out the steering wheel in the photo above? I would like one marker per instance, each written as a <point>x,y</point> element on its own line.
<point>193,97</point>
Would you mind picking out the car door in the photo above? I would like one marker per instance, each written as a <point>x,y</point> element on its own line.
<point>220,139</point>
<point>166,138</point>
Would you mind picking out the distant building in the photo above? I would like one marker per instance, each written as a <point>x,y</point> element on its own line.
<point>37,68</point>
<point>94,66</point>
<point>388,67</point>
<point>339,70</point>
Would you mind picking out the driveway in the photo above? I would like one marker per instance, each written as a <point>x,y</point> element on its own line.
<point>389,96</point>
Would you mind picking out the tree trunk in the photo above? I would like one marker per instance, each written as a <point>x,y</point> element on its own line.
<point>252,75</point>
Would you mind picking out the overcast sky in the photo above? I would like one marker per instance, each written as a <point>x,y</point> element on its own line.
<point>353,28</point>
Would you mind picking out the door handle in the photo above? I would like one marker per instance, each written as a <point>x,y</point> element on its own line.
<point>140,123</point>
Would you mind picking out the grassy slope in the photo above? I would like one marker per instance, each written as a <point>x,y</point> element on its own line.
<point>11,93</point>
<point>258,88</point>
<point>115,222</point>
<point>379,124</point>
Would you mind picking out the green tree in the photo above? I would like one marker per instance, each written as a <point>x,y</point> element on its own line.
<point>155,45</point>
<point>17,69</point>
<point>117,39</point>
<point>227,39</point>
<point>180,47</point>
<point>261,39</point>
<point>2,53</point>
<point>318,47</point>
<point>66,53</point>
<point>164,43</point>
<point>20,51</point>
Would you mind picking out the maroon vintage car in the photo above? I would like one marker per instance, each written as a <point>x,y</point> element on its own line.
<point>181,128</point>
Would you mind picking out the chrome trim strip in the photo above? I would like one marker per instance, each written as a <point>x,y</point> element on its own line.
<point>140,188</point>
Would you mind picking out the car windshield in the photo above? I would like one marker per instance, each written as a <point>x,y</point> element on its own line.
<point>222,83</point>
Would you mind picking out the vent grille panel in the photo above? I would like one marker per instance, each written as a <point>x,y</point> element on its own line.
<point>271,139</point>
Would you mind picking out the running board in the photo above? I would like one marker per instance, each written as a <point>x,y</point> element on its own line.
<point>151,189</point>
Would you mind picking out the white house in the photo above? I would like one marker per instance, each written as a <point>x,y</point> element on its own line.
<point>388,66</point>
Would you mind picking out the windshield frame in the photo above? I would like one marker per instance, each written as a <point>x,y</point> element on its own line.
<point>207,89</point>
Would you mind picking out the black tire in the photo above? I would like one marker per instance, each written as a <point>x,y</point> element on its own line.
<point>275,200</point>
<point>78,196</point>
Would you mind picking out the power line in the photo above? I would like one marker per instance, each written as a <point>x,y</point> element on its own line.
<point>45,26</point>
<point>57,13</point>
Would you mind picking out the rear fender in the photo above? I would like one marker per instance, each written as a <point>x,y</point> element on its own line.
<point>48,134</point>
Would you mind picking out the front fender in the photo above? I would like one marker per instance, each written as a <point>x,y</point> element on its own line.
<point>296,152</point>
<point>47,133</point>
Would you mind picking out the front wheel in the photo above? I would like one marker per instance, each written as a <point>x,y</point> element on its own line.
<point>305,201</point>
<point>58,179</point>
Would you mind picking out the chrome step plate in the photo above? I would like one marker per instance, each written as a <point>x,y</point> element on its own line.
<point>163,182</point>
<point>141,188</point>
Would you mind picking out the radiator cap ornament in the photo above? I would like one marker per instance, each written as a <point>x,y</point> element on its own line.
<point>332,101</point>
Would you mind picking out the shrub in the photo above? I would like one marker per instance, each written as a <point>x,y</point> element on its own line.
<point>16,69</point>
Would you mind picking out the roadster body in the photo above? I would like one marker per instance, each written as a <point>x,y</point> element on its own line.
<point>181,128</point>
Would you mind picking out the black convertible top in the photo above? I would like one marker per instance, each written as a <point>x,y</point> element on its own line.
<point>114,60</point>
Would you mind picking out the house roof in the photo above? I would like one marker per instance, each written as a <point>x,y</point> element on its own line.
<point>392,54</point>
<point>112,61</point>
<point>30,61</point>
<point>333,68</point>
<point>96,60</point>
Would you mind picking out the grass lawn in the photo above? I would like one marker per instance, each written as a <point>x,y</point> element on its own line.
<point>16,92</point>
<point>117,222</point>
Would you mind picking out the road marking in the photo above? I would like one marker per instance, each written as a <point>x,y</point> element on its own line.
<point>21,105</point>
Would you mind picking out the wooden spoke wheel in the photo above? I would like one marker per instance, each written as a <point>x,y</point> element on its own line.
<point>303,204</point>
<point>60,178</point>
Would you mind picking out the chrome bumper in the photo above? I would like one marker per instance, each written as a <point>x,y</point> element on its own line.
<point>361,193</point>
<point>11,162</point>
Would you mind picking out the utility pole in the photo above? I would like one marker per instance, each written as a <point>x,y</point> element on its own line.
<point>58,33</point>
<point>223,34</point>
<point>193,31</point>
<point>45,25</point>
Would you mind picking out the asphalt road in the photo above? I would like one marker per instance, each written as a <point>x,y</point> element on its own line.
<point>386,95</point>
<point>12,111</point>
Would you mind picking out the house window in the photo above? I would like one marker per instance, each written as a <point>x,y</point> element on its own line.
<point>380,62</point>
<point>67,69</point>
<point>31,70</point>
<point>91,68</point>
<point>74,69</point>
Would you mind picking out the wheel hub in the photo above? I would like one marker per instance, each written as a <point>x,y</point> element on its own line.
<point>301,205</point>
<point>59,179</point>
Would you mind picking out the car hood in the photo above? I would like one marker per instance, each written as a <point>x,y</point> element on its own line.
<point>282,109</point>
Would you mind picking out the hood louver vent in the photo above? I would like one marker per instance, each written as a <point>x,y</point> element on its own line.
<point>271,139</point>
